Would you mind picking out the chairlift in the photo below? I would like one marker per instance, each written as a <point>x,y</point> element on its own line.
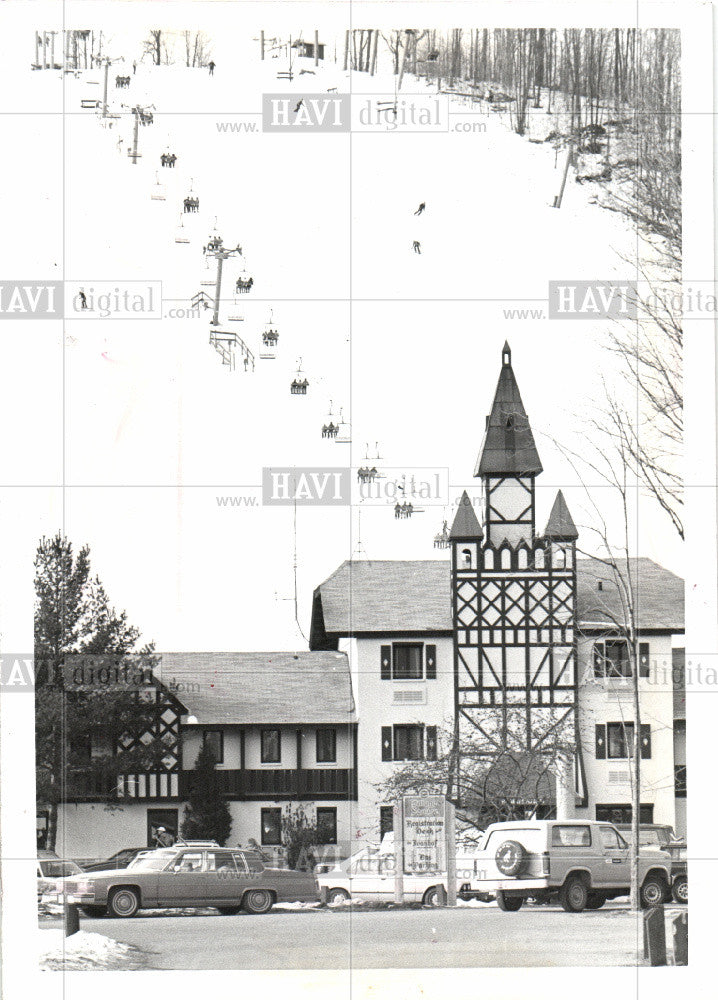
<point>158,191</point>
<point>244,282</point>
<point>270,339</point>
<point>191,202</point>
<point>180,236</point>
<point>405,510</point>
<point>442,539</point>
<point>168,159</point>
<point>369,473</point>
<point>299,383</point>
<point>330,429</point>
<point>343,435</point>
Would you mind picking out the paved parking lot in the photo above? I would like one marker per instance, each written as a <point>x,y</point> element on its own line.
<point>422,938</point>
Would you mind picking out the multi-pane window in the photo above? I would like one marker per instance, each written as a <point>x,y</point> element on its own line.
<point>408,742</point>
<point>326,746</point>
<point>327,824</point>
<point>619,740</point>
<point>611,658</point>
<point>271,822</point>
<point>408,661</point>
<point>271,746</point>
<point>215,739</point>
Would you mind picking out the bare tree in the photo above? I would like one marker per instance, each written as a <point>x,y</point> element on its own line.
<point>153,46</point>
<point>496,771</point>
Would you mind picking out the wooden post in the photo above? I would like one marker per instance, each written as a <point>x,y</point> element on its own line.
<point>569,156</point>
<point>323,895</point>
<point>346,49</point>
<point>44,50</point>
<point>261,45</point>
<point>399,852</point>
<point>316,48</point>
<point>450,832</point>
<point>37,49</point>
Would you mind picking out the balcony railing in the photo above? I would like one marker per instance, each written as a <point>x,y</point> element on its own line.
<point>269,783</point>
<point>680,780</point>
<point>282,783</point>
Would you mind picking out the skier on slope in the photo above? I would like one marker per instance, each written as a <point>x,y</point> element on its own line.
<point>420,209</point>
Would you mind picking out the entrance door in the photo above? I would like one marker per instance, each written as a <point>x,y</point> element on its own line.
<point>168,818</point>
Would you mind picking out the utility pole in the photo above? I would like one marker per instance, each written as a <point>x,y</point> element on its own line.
<point>316,48</point>
<point>261,45</point>
<point>220,255</point>
<point>135,134</point>
<point>104,91</point>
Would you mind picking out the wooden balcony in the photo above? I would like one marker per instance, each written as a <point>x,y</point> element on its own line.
<point>313,784</point>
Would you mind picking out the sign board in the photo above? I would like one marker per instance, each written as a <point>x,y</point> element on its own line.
<point>424,833</point>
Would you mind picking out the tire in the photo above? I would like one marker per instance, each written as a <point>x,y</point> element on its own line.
<point>509,904</point>
<point>653,891</point>
<point>338,896</point>
<point>94,912</point>
<point>510,857</point>
<point>595,900</point>
<point>680,889</point>
<point>574,894</point>
<point>431,896</point>
<point>124,902</point>
<point>229,911</point>
<point>258,901</point>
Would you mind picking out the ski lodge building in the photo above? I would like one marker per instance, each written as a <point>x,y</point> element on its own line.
<point>514,619</point>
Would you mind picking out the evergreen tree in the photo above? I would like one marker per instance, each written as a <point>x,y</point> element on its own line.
<point>79,721</point>
<point>207,815</point>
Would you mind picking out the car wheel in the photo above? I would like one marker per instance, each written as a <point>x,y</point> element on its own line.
<point>94,911</point>
<point>653,891</point>
<point>258,901</point>
<point>510,904</point>
<point>337,896</point>
<point>680,889</point>
<point>431,896</point>
<point>229,911</point>
<point>595,900</point>
<point>124,903</point>
<point>510,857</point>
<point>574,895</point>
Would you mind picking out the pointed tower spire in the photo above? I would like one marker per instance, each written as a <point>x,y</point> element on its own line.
<point>508,448</point>
<point>466,524</point>
<point>560,527</point>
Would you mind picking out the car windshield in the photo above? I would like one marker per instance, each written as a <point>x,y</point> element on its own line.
<point>59,869</point>
<point>154,861</point>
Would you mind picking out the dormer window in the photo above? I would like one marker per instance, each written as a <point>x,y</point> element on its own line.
<point>509,423</point>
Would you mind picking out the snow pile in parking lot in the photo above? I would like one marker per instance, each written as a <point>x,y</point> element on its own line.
<point>84,950</point>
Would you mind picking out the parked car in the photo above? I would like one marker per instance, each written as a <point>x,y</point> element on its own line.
<point>51,870</point>
<point>370,875</point>
<point>658,836</point>
<point>582,863</point>
<point>226,878</point>
<point>119,860</point>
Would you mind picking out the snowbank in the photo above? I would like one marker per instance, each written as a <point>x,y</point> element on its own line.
<point>84,950</point>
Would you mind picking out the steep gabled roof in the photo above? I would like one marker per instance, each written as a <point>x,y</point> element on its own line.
<point>415,596</point>
<point>466,524</point>
<point>508,447</point>
<point>262,688</point>
<point>560,524</point>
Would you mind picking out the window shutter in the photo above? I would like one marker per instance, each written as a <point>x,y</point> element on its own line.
<point>386,663</point>
<point>645,741</point>
<point>386,747</point>
<point>431,742</point>
<point>599,663</point>
<point>600,742</point>
<point>644,659</point>
<point>430,652</point>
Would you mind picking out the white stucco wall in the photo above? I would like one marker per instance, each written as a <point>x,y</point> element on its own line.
<point>376,708</point>
<point>610,700</point>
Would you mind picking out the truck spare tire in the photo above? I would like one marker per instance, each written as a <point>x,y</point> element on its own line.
<point>510,857</point>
